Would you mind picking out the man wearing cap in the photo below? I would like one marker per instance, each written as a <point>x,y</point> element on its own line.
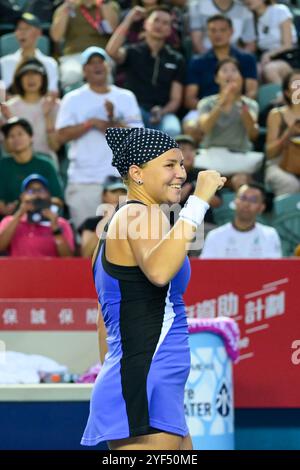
<point>113,191</point>
<point>35,230</point>
<point>80,24</point>
<point>21,163</point>
<point>28,30</point>
<point>84,116</point>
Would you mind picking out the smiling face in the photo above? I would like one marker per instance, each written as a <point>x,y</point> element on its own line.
<point>163,177</point>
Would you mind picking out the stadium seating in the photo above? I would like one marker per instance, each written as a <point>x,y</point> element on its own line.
<point>266,94</point>
<point>9,44</point>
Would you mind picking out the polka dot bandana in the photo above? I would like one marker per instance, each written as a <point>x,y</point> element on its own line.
<point>135,145</point>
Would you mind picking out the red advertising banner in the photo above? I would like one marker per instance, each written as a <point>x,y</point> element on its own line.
<point>261,295</point>
<point>48,314</point>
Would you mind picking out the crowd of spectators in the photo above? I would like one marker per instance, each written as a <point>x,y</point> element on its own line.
<point>191,68</point>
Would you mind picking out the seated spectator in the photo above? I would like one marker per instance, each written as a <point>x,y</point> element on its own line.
<point>188,148</point>
<point>22,162</point>
<point>201,70</point>
<point>276,33</point>
<point>228,120</point>
<point>32,103</point>
<point>27,32</point>
<point>35,229</point>
<point>83,118</point>
<point>154,71</point>
<point>283,137</point>
<point>242,21</point>
<point>91,229</point>
<point>81,24</point>
<point>244,237</point>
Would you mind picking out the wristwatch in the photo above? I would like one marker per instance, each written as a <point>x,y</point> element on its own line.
<point>57,231</point>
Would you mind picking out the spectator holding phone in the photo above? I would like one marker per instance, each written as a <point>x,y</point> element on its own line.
<point>35,229</point>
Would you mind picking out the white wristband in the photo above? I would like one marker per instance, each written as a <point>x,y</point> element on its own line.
<point>194,211</point>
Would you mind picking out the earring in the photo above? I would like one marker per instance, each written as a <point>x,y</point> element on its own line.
<point>140,182</point>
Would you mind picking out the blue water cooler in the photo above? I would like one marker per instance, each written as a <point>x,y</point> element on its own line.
<point>209,400</point>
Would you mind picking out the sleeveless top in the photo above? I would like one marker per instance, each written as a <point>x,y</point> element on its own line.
<point>140,388</point>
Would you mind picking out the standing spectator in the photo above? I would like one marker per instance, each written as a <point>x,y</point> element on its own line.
<point>32,103</point>
<point>81,24</point>
<point>276,33</point>
<point>283,127</point>
<point>35,229</point>
<point>242,21</point>
<point>92,228</point>
<point>27,32</point>
<point>154,71</point>
<point>22,162</point>
<point>244,237</point>
<point>84,116</point>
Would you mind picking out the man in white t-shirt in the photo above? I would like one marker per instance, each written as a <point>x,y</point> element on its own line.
<point>28,30</point>
<point>244,237</point>
<point>84,116</point>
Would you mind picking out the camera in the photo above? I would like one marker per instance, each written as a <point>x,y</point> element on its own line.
<point>35,216</point>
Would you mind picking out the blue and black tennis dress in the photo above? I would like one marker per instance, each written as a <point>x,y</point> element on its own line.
<point>140,388</point>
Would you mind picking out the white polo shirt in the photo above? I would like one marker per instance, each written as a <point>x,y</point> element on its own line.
<point>228,242</point>
<point>8,65</point>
